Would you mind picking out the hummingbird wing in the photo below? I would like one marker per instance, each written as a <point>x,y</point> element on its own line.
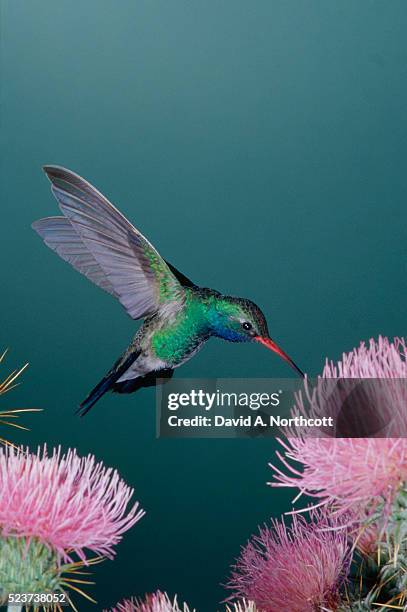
<point>59,235</point>
<point>134,271</point>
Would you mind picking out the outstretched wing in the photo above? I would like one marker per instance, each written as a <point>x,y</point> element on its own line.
<point>115,255</point>
<point>59,235</point>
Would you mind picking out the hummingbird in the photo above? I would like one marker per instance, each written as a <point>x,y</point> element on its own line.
<point>179,316</point>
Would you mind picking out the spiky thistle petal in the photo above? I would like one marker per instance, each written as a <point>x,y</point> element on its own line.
<point>300,568</point>
<point>242,606</point>
<point>68,502</point>
<point>155,602</point>
<point>351,473</point>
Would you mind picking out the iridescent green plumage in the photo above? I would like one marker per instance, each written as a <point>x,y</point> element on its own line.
<point>95,238</point>
<point>205,313</point>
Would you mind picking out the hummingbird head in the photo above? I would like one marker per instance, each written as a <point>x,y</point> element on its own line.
<point>241,320</point>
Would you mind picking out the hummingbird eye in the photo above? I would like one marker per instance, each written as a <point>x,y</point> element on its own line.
<point>246,325</point>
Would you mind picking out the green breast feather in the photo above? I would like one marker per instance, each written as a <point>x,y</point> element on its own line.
<point>172,343</point>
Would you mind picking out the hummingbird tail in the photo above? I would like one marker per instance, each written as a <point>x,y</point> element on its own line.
<point>148,380</point>
<point>106,383</point>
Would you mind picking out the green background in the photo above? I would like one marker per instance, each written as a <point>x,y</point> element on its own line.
<point>261,146</point>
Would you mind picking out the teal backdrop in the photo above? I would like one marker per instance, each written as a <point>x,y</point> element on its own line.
<point>261,146</point>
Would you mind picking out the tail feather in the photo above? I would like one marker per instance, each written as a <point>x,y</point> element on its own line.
<point>106,383</point>
<point>148,380</point>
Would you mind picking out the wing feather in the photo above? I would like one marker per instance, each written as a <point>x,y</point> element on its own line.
<point>133,269</point>
<point>59,235</point>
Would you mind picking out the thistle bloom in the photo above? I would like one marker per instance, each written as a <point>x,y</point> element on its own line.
<point>70,503</point>
<point>160,602</point>
<point>52,507</point>
<point>293,569</point>
<point>368,539</point>
<point>351,473</point>
<point>242,606</point>
<point>156,602</point>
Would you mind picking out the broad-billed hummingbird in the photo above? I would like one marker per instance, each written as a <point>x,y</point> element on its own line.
<point>179,317</point>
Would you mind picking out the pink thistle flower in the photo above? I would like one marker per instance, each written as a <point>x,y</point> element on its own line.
<point>67,502</point>
<point>293,569</point>
<point>352,474</point>
<point>242,606</point>
<point>156,602</point>
<point>368,539</point>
